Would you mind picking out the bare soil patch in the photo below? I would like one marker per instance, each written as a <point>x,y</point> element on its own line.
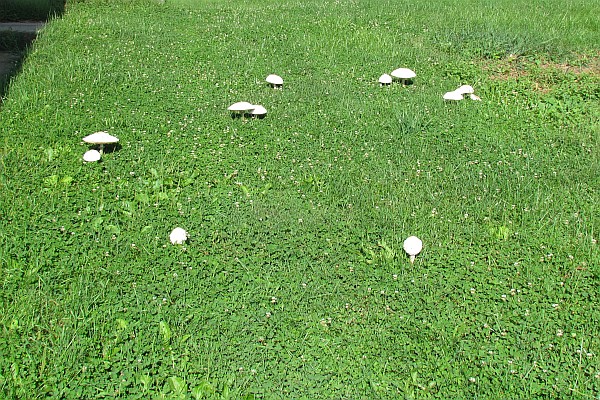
<point>542,73</point>
<point>515,67</point>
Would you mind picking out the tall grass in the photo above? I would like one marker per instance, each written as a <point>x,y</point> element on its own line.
<point>294,283</point>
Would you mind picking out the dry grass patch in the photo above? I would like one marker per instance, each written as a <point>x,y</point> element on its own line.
<point>544,74</point>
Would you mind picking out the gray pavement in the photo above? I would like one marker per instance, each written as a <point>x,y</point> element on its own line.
<point>27,27</point>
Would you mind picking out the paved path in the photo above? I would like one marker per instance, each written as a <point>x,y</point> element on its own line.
<point>27,27</point>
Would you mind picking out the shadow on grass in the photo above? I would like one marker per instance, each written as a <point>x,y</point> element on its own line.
<point>13,50</point>
<point>15,38</point>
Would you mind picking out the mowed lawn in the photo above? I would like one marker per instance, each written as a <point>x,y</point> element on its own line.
<point>293,282</point>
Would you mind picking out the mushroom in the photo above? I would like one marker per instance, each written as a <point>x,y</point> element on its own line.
<point>178,236</point>
<point>100,138</point>
<point>275,81</point>
<point>259,111</point>
<point>240,108</point>
<point>413,246</point>
<point>468,89</point>
<point>91,156</point>
<point>385,80</point>
<point>453,96</point>
<point>404,74</point>
<point>465,89</point>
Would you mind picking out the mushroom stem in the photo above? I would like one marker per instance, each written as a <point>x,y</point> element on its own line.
<point>412,259</point>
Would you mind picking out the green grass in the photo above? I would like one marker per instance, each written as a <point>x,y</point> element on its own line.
<point>294,283</point>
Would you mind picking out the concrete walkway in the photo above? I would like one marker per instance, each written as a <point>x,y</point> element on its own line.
<point>25,27</point>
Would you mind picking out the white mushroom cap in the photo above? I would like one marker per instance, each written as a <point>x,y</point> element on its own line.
<point>100,138</point>
<point>413,246</point>
<point>403,73</point>
<point>91,156</point>
<point>385,79</point>
<point>453,96</point>
<point>241,106</point>
<point>259,110</point>
<point>178,236</point>
<point>465,89</point>
<point>274,79</point>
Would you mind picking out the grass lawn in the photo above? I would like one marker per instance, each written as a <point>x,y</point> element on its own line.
<point>293,283</point>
